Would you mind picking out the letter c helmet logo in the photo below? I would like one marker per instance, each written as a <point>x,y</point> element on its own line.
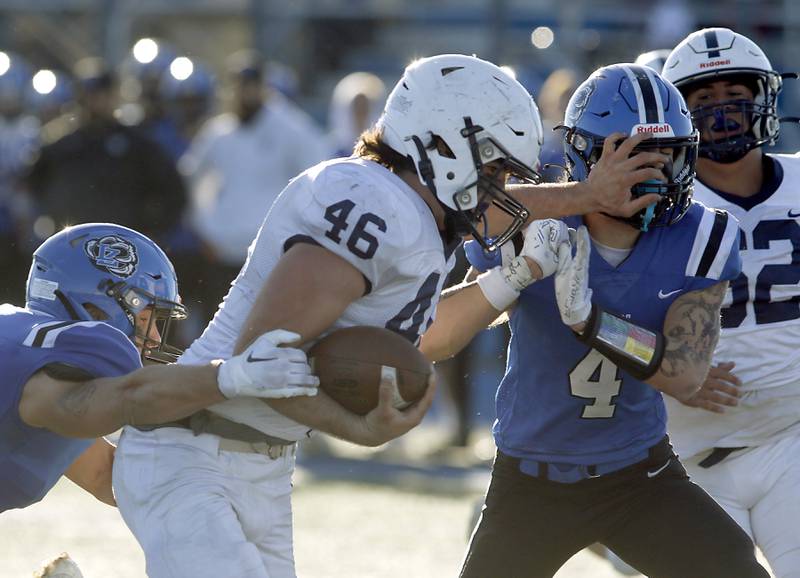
<point>113,254</point>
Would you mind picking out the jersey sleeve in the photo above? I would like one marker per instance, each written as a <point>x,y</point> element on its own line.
<point>93,346</point>
<point>483,260</point>
<point>715,254</point>
<point>355,219</point>
<point>479,258</point>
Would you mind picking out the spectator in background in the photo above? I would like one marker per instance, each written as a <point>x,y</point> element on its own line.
<point>553,99</point>
<point>103,170</point>
<point>19,139</point>
<point>49,95</point>
<point>141,73</point>
<point>187,92</point>
<point>237,164</point>
<point>356,104</point>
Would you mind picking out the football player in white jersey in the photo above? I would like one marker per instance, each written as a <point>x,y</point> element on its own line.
<point>366,240</point>
<point>740,439</point>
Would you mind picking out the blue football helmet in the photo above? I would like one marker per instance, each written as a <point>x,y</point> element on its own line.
<point>629,98</point>
<point>113,269</point>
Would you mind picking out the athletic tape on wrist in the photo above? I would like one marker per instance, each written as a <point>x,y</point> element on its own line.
<point>501,285</point>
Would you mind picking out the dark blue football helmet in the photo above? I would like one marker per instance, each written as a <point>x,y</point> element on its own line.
<point>629,98</point>
<point>102,271</point>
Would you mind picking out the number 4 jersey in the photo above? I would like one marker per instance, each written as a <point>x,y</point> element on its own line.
<point>563,402</point>
<point>369,217</point>
<point>760,319</point>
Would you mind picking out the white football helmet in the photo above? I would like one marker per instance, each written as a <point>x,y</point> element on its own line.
<point>451,115</point>
<point>654,59</point>
<point>715,53</point>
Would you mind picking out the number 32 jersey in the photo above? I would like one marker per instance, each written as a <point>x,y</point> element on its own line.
<point>760,319</point>
<point>369,217</point>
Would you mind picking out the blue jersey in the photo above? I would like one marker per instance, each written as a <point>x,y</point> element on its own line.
<point>562,402</point>
<point>33,459</point>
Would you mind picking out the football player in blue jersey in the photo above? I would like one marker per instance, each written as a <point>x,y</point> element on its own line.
<point>583,455</point>
<point>100,298</point>
<point>739,436</point>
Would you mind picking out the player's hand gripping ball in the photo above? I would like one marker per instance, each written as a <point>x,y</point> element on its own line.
<point>352,362</point>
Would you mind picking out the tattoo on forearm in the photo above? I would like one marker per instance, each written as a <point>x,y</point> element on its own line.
<point>693,335</point>
<point>77,401</point>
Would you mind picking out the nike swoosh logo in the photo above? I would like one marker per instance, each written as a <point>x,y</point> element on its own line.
<point>662,295</point>
<point>793,215</point>
<point>251,359</point>
<point>653,474</point>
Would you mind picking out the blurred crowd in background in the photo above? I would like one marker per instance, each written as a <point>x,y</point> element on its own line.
<point>185,119</point>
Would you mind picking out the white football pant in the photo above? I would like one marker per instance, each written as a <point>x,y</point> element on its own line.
<point>203,513</point>
<point>760,489</point>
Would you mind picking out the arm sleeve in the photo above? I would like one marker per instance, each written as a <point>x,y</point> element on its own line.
<point>480,259</point>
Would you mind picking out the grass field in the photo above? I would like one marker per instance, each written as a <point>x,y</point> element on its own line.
<point>343,530</point>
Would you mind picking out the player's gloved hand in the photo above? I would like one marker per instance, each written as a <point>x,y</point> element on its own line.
<point>572,280</point>
<point>537,259</point>
<point>266,370</point>
<point>542,242</point>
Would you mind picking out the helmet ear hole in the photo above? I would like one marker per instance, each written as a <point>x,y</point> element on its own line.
<point>96,313</point>
<point>442,147</point>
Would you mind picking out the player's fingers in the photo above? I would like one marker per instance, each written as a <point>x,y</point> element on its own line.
<point>291,354</point>
<point>723,374</point>
<point>584,247</point>
<point>305,391</point>
<point>304,380</point>
<point>610,144</point>
<point>709,406</point>
<point>564,257</point>
<point>726,365</point>
<point>386,393</point>
<point>721,397</point>
<point>282,336</point>
<point>633,206</point>
<point>644,174</point>
<point>418,410</point>
<point>626,147</point>
<point>645,159</point>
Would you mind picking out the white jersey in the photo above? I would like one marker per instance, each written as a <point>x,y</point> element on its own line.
<point>371,218</point>
<point>760,325</point>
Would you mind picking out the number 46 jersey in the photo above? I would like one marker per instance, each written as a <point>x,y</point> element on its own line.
<point>760,319</point>
<point>369,217</point>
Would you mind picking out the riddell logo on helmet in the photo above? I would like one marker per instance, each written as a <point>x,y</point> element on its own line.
<point>664,129</point>
<point>714,63</point>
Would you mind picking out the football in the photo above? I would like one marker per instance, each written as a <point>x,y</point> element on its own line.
<point>350,362</point>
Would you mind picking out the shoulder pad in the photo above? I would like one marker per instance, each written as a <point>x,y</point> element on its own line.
<point>93,346</point>
<point>372,190</point>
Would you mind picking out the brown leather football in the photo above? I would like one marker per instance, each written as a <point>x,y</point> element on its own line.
<point>349,363</point>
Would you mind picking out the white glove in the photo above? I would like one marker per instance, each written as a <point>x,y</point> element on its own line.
<point>572,279</point>
<point>543,240</point>
<point>266,370</point>
<point>501,286</point>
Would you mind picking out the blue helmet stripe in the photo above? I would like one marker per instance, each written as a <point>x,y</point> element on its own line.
<point>712,43</point>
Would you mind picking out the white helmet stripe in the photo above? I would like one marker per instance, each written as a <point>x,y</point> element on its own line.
<point>648,100</point>
<point>659,103</point>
